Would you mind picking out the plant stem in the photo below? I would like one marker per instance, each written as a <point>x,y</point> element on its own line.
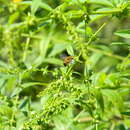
<point>91,38</point>
<point>96,125</point>
<point>26,48</point>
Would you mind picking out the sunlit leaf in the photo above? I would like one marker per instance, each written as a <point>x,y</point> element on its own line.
<point>123,33</point>
<point>70,50</point>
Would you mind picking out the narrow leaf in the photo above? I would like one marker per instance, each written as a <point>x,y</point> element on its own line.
<point>70,50</point>
<point>123,33</point>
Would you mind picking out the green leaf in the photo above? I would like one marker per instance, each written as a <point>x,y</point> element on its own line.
<point>102,2</point>
<point>95,57</point>
<point>4,65</point>
<point>54,61</point>
<point>9,86</point>
<point>58,48</point>
<point>75,1</point>
<point>46,7</point>
<point>100,99</point>
<point>120,43</point>
<point>26,85</point>
<point>15,92</point>
<point>6,111</point>
<point>44,46</point>
<point>123,33</point>
<point>96,17</point>
<point>24,103</point>
<point>13,17</point>
<point>35,5</point>
<point>70,50</point>
<point>38,3</point>
<point>113,98</point>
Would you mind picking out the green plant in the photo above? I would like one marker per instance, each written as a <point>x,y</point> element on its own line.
<point>37,91</point>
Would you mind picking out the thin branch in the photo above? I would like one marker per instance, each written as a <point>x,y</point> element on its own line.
<point>91,38</point>
<point>26,49</point>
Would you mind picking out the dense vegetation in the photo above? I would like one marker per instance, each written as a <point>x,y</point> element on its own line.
<point>37,91</point>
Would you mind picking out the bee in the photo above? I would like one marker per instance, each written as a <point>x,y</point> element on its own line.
<point>68,60</point>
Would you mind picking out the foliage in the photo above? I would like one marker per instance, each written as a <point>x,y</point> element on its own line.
<point>37,91</point>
